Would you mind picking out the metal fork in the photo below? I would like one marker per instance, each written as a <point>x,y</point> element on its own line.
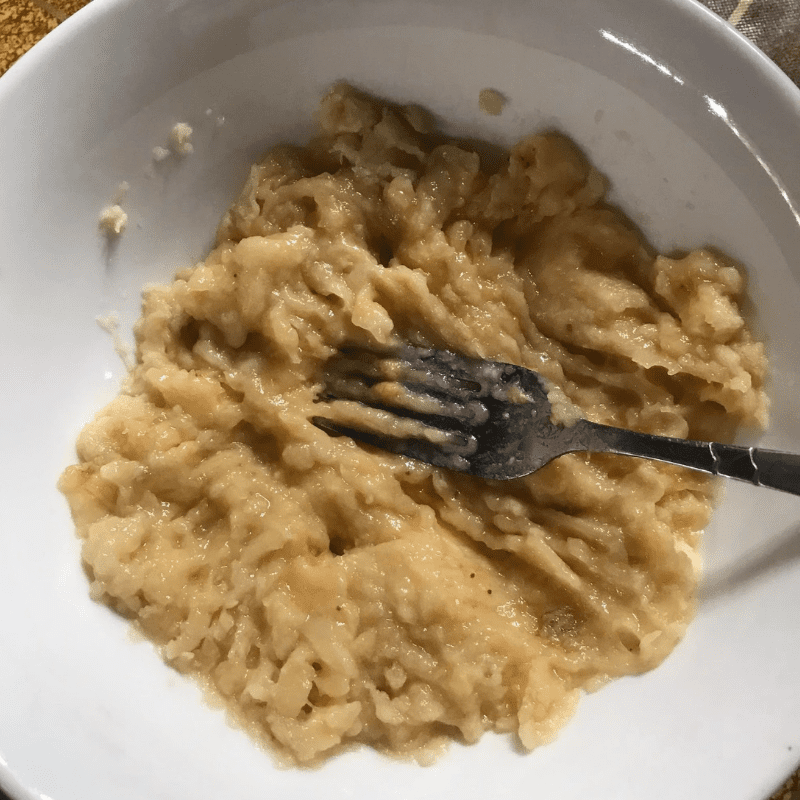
<point>492,420</point>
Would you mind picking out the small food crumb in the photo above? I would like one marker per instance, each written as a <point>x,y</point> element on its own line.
<point>563,410</point>
<point>113,220</point>
<point>180,139</point>
<point>491,102</point>
<point>160,153</point>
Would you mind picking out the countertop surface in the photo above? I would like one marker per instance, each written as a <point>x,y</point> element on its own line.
<point>773,25</point>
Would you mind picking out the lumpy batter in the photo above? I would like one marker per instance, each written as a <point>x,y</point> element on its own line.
<point>332,593</point>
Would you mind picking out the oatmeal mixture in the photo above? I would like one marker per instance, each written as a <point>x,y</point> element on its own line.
<point>332,593</point>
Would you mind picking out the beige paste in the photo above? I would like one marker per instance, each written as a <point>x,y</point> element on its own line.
<point>334,594</point>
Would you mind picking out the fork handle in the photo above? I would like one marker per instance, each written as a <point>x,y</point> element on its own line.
<point>772,468</point>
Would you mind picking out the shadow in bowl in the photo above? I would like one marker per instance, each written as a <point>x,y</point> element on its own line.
<point>775,555</point>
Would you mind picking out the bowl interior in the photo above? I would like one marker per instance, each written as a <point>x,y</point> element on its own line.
<point>93,713</point>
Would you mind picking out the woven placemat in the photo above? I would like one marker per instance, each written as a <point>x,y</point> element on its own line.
<point>773,25</point>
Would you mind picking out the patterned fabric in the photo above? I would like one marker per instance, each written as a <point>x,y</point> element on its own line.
<point>773,25</point>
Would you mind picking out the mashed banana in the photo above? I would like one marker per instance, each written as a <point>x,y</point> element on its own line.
<point>331,593</point>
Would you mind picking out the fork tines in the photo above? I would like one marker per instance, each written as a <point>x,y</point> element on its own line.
<point>434,390</point>
<point>408,382</point>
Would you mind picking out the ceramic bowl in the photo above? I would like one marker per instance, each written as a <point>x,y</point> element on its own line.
<point>698,134</point>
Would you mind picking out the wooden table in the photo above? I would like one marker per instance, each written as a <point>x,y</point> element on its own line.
<point>772,24</point>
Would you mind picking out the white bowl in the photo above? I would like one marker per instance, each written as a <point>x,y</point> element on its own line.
<point>698,133</point>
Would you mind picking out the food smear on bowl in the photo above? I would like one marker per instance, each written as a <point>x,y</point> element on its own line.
<point>332,593</point>
<point>491,102</point>
<point>109,322</point>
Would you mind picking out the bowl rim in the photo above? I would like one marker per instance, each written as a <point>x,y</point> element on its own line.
<point>80,24</point>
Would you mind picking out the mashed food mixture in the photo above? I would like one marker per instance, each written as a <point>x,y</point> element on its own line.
<point>332,593</point>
